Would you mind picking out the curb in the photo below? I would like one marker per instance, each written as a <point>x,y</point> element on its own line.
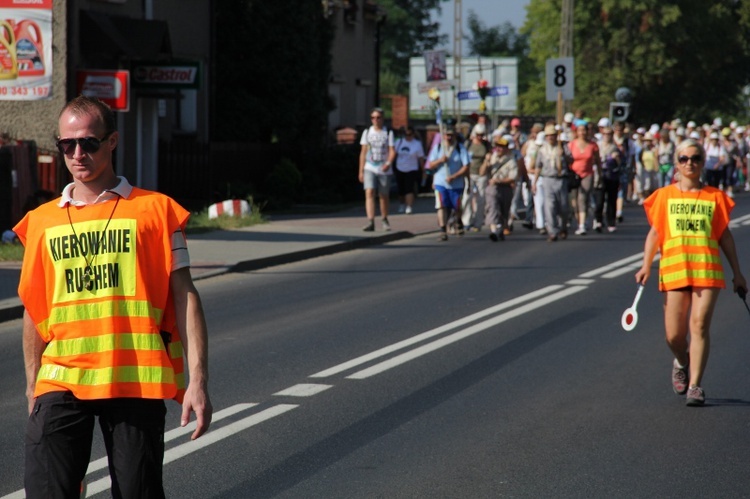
<point>298,256</point>
<point>15,311</point>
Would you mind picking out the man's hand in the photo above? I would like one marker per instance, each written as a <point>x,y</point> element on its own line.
<point>196,400</point>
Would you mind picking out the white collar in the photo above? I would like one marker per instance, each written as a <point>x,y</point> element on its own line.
<point>122,189</point>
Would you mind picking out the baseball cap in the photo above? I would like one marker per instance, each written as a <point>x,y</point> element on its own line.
<point>603,122</point>
<point>515,122</point>
<point>479,129</point>
<point>550,130</point>
<point>568,118</point>
<point>501,141</point>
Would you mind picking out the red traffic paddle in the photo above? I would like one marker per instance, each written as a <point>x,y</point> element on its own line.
<point>630,316</point>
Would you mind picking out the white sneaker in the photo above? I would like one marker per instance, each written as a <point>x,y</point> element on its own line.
<point>611,228</point>
<point>408,210</point>
<point>386,225</point>
<point>580,231</point>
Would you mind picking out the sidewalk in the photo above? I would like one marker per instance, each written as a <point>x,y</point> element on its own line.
<point>285,239</point>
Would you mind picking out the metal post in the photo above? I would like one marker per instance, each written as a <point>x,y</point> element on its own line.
<point>566,33</point>
<point>457,36</point>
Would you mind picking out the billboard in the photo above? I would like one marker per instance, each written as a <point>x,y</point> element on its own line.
<point>500,72</point>
<point>25,50</point>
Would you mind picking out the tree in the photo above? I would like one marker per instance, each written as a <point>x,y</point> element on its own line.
<point>501,41</point>
<point>687,58</point>
<point>408,32</point>
<point>271,78</point>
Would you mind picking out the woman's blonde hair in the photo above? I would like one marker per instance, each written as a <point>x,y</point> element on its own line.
<point>689,143</point>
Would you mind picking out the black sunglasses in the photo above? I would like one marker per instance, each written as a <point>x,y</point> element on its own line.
<point>695,158</point>
<point>88,144</point>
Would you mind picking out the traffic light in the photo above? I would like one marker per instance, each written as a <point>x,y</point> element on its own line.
<point>619,111</point>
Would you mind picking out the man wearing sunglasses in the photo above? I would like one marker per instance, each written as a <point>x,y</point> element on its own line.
<point>110,306</point>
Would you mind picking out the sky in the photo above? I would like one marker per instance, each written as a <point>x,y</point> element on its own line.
<point>491,13</point>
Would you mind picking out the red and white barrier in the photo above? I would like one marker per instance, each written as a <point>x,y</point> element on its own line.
<point>232,207</point>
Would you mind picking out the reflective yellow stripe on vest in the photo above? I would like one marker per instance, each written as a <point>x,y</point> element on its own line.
<point>99,310</point>
<point>702,242</point>
<point>92,377</point>
<point>104,343</point>
<point>694,273</point>
<point>690,257</point>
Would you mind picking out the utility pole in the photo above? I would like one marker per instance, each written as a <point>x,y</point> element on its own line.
<point>566,42</point>
<point>457,36</point>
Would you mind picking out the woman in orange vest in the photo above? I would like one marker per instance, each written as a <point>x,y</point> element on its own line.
<point>689,224</point>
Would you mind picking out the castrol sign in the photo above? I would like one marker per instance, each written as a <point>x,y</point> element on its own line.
<point>109,86</point>
<point>168,76</point>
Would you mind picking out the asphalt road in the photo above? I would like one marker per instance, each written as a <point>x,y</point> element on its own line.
<point>459,369</point>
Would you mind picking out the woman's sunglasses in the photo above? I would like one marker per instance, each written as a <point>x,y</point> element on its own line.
<point>695,158</point>
<point>88,144</point>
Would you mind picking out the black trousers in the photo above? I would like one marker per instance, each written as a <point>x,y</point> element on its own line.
<point>58,445</point>
<point>606,195</point>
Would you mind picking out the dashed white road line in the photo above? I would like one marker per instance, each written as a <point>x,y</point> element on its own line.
<point>303,390</point>
<point>434,332</point>
<point>460,335</point>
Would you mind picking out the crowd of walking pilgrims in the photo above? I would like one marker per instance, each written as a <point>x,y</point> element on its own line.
<point>555,179</point>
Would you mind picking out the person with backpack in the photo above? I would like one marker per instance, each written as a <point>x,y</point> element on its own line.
<point>552,164</point>
<point>449,162</point>
<point>608,183</point>
<point>375,172</point>
<point>501,170</point>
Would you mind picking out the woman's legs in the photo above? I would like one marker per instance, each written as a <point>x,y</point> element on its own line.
<point>690,311</point>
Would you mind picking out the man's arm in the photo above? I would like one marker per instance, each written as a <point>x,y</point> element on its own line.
<point>362,157</point>
<point>33,348</point>
<point>191,323</point>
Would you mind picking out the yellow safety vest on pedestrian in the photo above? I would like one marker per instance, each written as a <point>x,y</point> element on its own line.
<point>104,330</point>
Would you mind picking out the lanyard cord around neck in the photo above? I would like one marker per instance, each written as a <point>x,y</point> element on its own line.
<point>88,271</point>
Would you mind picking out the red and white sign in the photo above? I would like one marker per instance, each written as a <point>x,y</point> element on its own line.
<point>110,86</point>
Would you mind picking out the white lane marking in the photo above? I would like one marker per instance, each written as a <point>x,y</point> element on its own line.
<point>303,390</point>
<point>624,270</point>
<point>611,266</point>
<point>743,220</point>
<point>102,463</point>
<point>434,332</point>
<point>209,438</point>
<point>580,282</point>
<point>628,268</point>
<point>460,335</point>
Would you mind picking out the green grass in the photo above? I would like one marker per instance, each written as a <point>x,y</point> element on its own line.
<point>11,252</point>
<point>198,222</point>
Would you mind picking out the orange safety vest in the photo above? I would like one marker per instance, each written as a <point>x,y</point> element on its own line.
<point>104,342</point>
<point>690,225</point>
